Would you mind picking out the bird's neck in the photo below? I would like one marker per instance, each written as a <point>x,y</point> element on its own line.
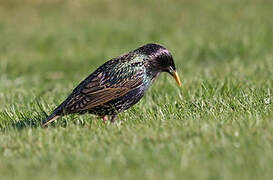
<point>151,76</point>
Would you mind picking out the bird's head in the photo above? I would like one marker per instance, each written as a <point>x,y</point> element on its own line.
<point>160,59</point>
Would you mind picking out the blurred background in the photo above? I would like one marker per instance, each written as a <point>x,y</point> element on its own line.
<point>66,40</point>
<point>223,50</point>
<point>45,43</point>
<point>56,38</point>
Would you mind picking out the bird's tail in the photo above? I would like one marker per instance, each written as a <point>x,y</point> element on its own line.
<point>50,119</point>
<point>59,111</point>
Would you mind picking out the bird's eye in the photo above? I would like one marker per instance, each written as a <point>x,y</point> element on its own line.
<point>163,63</point>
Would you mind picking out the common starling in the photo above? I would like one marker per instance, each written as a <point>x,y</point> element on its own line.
<point>118,84</point>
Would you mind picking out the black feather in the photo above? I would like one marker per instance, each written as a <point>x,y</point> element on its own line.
<point>117,84</point>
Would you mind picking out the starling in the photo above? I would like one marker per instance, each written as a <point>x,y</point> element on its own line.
<point>118,84</point>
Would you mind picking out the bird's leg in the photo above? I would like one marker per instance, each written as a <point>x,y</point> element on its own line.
<point>113,118</point>
<point>104,118</point>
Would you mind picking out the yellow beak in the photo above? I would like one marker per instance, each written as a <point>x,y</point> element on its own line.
<point>176,77</point>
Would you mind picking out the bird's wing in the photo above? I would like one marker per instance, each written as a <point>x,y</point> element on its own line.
<point>103,88</point>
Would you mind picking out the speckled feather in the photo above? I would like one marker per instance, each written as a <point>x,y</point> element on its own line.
<point>116,85</point>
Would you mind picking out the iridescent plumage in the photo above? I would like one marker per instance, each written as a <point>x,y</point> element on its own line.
<point>117,84</point>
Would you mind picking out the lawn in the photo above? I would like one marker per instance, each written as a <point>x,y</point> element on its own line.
<point>219,125</point>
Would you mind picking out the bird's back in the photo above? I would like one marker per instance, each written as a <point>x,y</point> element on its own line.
<point>114,86</point>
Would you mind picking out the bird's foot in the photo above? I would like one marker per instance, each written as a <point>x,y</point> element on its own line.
<point>104,118</point>
<point>113,118</point>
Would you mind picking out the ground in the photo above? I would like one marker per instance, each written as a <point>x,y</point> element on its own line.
<point>217,126</point>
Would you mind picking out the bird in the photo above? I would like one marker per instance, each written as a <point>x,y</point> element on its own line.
<point>118,84</point>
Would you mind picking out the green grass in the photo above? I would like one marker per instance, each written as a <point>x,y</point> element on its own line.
<point>218,126</point>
